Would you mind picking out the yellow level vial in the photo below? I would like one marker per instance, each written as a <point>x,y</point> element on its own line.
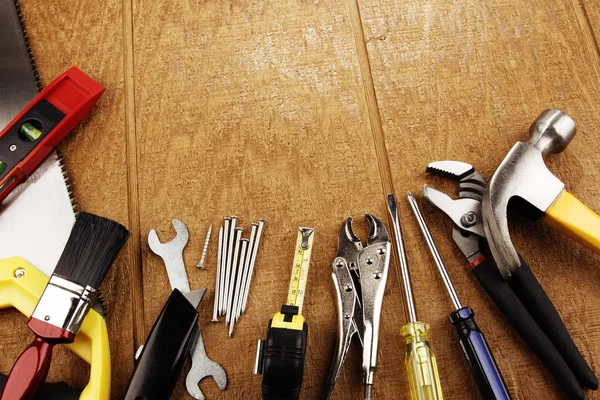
<point>300,268</point>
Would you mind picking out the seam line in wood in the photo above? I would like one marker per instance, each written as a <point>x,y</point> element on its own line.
<point>135,253</point>
<point>588,33</point>
<point>381,152</point>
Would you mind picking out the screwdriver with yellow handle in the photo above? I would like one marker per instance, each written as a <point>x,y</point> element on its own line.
<point>280,358</point>
<point>421,366</point>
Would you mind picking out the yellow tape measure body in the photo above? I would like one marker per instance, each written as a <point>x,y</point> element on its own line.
<point>299,277</point>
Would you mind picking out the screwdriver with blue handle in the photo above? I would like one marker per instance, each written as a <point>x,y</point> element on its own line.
<point>477,352</point>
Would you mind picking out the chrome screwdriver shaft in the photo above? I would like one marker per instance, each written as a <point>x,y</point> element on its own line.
<point>410,303</point>
<point>434,251</point>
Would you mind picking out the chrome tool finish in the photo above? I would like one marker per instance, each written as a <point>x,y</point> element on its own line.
<point>524,174</point>
<point>359,276</point>
<point>203,367</point>
<point>434,252</point>
<point>410,303</point>
<point>172,254</point>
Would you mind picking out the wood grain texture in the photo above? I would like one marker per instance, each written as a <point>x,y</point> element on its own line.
<point>88,34</point>
<point>256,109</point>
<point>463,80</point>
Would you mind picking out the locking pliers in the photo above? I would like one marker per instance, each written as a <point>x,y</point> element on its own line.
<point>359,276</point>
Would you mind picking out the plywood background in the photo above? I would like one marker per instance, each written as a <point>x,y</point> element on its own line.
<point>304,113</point>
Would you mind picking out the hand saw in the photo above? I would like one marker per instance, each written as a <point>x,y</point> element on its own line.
<point>41,206</point>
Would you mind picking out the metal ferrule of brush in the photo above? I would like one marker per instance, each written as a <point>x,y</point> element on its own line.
<point>64,304</point>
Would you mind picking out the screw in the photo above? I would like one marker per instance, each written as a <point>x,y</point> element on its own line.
<point>19,273</point>
<point>469,219</point>
<point>205,249</point>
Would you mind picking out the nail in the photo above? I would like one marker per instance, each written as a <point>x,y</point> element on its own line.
<point>240,298</point>
<point>226,222</point>
<point>228,261</point>
<point>261,225</point>
<point>215,317</point>
<point>238,285</point>
<point>232,277</point>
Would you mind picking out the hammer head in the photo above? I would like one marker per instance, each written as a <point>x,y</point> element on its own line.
<point>524,175</point>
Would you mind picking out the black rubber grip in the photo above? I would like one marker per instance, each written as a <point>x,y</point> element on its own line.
<point>162,358</point>
<point>523,323</point>
<point>283,363</point>
<point>535,299</point>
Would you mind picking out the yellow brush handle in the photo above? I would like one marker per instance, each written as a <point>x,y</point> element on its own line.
<point>421,366</point>
<point>21,286</point>
<point>571,217</point>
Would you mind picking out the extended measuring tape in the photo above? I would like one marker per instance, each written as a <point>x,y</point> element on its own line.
<point>280,358</point>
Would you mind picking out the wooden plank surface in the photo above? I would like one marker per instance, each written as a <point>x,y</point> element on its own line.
<point>463,80</point>
<point>263,118</point>
<point>264,109</point>
<point>88,34</point>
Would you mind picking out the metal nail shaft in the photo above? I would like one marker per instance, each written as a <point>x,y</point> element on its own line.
<point>238,285</point>
<point>201,264</point>
<point>410,303</point>
<point>226,223</point>
<point>261,225</point>
<point>246,268</point>
<point>215,317</point>
<point>434,251</point>
<point>233,274</point>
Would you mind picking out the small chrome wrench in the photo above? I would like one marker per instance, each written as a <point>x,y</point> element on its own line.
<point>172,254</point>
<point>203,367</point>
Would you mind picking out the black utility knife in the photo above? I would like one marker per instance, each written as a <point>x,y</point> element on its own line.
<point>160,362</point>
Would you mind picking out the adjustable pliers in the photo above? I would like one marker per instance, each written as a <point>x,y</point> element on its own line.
<point>359,275</point>
<point>521,299</point>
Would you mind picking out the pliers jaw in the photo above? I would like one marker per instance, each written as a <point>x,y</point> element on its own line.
<point>359,276</point>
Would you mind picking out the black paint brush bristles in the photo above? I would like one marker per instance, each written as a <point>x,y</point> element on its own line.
<point>91,250</point>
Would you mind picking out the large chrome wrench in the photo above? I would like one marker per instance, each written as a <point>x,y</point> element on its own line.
<point>172,255</point>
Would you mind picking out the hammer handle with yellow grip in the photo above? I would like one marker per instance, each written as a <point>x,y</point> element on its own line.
<point>21,286</point>
<point>573,218</point>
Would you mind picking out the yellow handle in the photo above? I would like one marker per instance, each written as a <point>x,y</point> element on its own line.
<point>571,217</point>
<point>423,376</point>
<point>21,286</point>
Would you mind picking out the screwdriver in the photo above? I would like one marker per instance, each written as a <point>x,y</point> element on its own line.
<point>475,348</point>
<point>280,358</point>
<point>421,366</point>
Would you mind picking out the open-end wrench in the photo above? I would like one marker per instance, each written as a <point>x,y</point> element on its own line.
<point>172,254</point>
<point>202,367</point>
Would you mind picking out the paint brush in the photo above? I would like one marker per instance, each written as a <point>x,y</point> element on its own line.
<point>73,287</point>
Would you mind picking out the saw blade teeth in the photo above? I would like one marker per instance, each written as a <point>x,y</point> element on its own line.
<point>36,74</point>
<point>67,180</point>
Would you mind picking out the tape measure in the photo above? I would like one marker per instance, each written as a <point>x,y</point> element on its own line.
<point>280,357</point>
<point>300,268</point>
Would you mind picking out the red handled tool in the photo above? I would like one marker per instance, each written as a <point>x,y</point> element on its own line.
<point>43,124</point>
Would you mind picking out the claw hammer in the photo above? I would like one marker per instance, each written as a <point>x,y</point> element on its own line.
<point>524,175</point>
